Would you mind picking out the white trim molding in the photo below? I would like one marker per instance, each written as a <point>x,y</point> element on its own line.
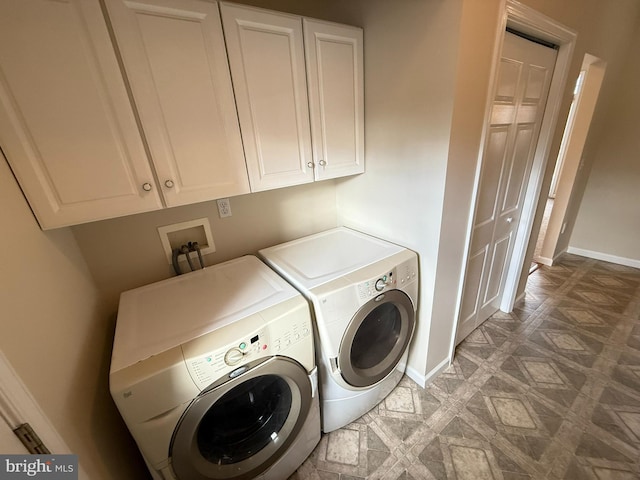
<point>17,406</point>
<point>424,380</point>
<point>543,260</point>
<point>606,257</point>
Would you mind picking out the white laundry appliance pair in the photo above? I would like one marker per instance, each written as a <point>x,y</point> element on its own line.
<point>214,374</point>
<point>214,371</point>
<point>364,294</point>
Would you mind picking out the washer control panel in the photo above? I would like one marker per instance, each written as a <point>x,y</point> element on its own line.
<point>209,367</point>
<point>296,332</point>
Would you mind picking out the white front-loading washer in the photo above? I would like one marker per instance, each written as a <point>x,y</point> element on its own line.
<point>214,374</point>
<point>364,293</point>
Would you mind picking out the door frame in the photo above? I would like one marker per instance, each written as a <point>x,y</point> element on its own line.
<point>574,139</point>
<point>17,406</point>
<point>529,21</point>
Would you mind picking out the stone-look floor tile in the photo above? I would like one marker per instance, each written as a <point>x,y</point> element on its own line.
<point>551,390</point>
<point>627,371</point>
<point>633,341</point>
<point>343,446</point>
<point>606,300</point>
<point>545,282</point>
<point>615,269</point>
<point>460,371</point>
<point>529,305</point>
<point>617,416</point>
<point>599,324</point>
<point>591,446</point>
<point>617,282</point>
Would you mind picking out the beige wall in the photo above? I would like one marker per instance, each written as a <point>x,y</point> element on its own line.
<point>609,218</point>
<point>410,61</point>
<point>125,253</point>
<point>477,43</point>
<point>55,333</point>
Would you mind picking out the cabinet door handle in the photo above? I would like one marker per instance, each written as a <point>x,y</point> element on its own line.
<point>322,163</point>
<point>310,164</point>
<point>147,187</point>
<point>168,183</point>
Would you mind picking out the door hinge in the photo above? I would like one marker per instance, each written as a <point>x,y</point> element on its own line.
<point>30,439</point>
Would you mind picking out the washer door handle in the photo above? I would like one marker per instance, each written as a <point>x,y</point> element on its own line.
<point>238,371</point>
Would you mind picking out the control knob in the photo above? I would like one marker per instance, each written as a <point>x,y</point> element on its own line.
<point>233,356</point>
<point>380,284</point>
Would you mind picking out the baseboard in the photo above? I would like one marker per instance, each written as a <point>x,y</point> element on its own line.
<point>423,380</point>
<point>413,374</point>
<point>629,262</point>
<point>544,261</point>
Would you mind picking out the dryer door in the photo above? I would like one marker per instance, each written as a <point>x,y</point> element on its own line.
<point>239,428</point>
<point>376,338</point>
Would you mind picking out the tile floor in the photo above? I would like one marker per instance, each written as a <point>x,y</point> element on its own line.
<point>551,390</point>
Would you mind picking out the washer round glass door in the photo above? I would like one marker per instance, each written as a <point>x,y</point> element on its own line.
<point>238,429</point>
<point>376,338</point>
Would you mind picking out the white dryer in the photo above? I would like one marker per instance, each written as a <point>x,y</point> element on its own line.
<point>214,374</point>
<point>364,293</point>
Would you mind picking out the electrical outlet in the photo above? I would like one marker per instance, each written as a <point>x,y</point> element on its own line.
<point>224,207</point>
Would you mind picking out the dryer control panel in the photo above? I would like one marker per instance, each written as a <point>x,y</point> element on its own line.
<point>397,277</point>
<point>407,272</point>
<point>372,287</point>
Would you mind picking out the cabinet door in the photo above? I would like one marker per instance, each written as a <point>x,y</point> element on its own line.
<point>336,97</point>
<point>66,123</point>
<point>175,59</point>
<point>266,54</point>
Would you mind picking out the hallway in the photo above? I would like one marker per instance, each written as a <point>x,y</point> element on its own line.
<point>551,390</point>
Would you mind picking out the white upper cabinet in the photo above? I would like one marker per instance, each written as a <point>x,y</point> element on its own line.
<point>266,54</point>
<point>67,127</point>
<point>299,122</point>
<point>157,105</point>
<point>175,59</point>
<point>336,97</point>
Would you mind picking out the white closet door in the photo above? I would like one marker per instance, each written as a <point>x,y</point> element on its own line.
<point>336,97</point>
<point>266,54</point>
<point>175,59</point>
<point>66,124</point>
<point>522,86</point>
